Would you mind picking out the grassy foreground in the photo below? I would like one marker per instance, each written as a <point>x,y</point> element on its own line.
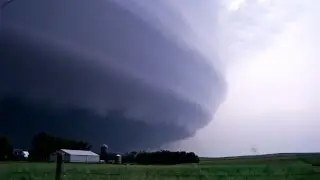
<point>250,168</point>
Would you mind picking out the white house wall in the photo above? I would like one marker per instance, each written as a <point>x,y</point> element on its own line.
<point>75,158</point>
<point>86,159</point>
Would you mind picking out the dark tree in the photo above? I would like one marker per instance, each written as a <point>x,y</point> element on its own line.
<point>129,158</point>
<point>161,157</point>
<point>42,145</point>
<point>5,149</point>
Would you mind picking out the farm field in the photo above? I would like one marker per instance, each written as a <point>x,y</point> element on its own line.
<point>275,167</point>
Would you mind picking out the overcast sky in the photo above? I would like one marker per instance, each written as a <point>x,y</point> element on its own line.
<point>225,76</point>
<point>272,61</point>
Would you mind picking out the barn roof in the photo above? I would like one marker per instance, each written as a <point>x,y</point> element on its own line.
<point>79,152</point>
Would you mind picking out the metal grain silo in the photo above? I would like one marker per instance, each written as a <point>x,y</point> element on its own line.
<point>104,149</point>
<point>103,152</point>
<point>119,159</point>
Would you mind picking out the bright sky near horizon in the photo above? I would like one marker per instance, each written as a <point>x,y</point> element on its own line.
<point>268,52</point>
<point>273,101</point>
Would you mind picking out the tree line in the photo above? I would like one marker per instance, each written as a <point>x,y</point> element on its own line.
<point>162,157</point>
<point>43,144</point>
<point>5,149</point>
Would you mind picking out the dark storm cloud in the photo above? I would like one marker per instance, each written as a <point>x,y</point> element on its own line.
<point>24,118</point>
<point>64,72</point>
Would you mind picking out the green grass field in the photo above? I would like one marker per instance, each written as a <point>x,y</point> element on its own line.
<point>275,167</point>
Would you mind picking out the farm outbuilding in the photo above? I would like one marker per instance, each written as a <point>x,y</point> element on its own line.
<point>20,153</point>
<point>76,156</point>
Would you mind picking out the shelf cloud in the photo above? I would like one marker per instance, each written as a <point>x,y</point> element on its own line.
<point>102,72</point>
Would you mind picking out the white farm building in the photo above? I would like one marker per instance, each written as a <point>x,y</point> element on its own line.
<point>76,156</point>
